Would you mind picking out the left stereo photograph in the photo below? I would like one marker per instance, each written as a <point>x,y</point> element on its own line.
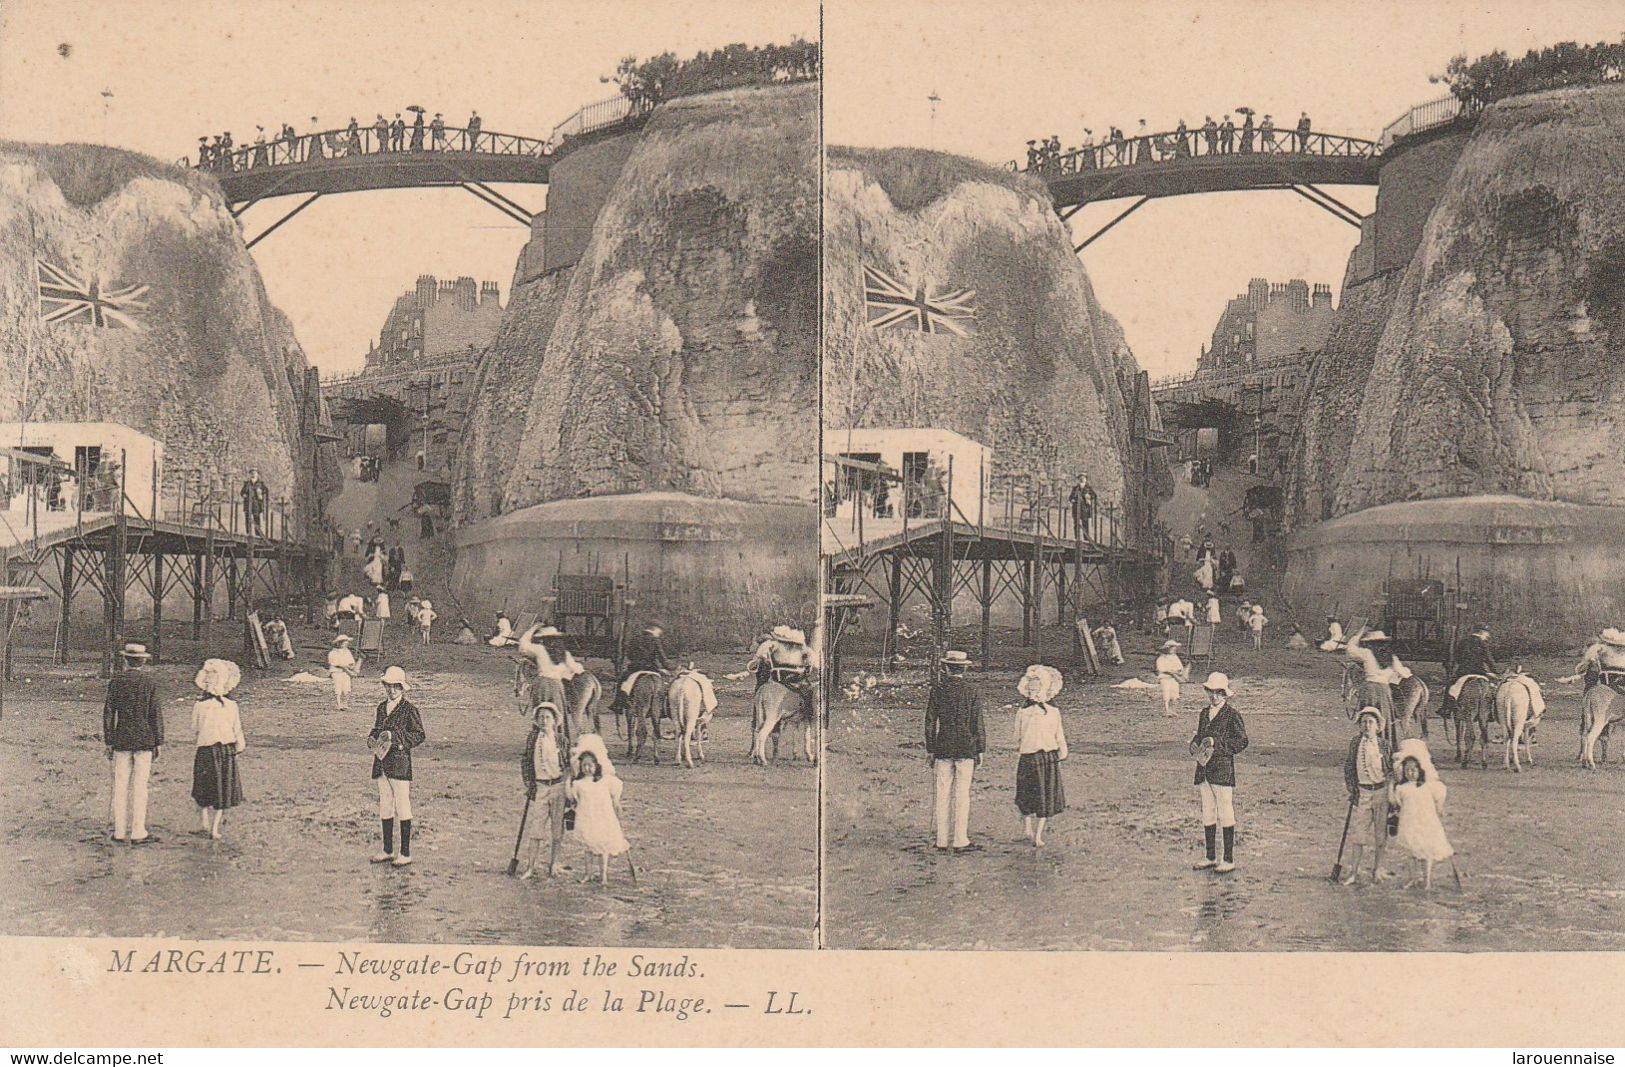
<point>431,563</point>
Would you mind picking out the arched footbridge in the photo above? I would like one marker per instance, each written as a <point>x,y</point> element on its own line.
<point>1189,161</point>
<point>357,158</point>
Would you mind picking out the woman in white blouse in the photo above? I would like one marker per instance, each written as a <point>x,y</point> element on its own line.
<point>1041,741</point>
<point>1373,651</point>
<point>218,726</point>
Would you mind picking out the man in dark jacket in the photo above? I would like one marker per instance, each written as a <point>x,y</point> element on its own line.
<point>256,498</point>
<point>1082,500</point>
<point>1220,736</point>
<point>955,738</point>
<point>132,730</point>
<point>1471,655</point>
<point>392,769</point>
<point>643,653</point>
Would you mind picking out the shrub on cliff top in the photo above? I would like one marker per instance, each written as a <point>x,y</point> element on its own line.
<point>88,174</point>
<point>914,178</point>
<point>664,77</point>
<point>1495,76</point>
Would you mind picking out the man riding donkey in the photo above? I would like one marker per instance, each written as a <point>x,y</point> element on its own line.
<point>1603,701</point>
<point>1470,657</point>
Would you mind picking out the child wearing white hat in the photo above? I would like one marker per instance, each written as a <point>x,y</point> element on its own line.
<point>595,791</point>
<point>1220,736</point>
<point>342,666</point>
<point>1041,744</point>
<point>426,618</point>
<point>396,731</point>
<point>218,729</point>
<point>1420,796</point>
<point>1171,670</point>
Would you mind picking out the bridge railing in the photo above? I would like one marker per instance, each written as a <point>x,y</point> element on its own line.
<point>1422,117</point>
<point>367,141</point>
<point>595,116</point>
<point>1176,145</point>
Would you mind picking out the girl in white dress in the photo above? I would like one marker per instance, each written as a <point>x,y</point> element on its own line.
<point>595,791</point>
<point>1420,799</point>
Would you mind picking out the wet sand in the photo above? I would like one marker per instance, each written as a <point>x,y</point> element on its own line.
<point>1539,849</point>
<point>726,852</point>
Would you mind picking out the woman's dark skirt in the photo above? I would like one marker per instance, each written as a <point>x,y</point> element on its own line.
<point>1038,784</point>
<point>215,783</point>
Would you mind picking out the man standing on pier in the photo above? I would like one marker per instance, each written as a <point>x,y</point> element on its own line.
<point>1082,500</point>
<point>256,497</point>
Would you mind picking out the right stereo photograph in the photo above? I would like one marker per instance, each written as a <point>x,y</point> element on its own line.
<point>1223,477</point>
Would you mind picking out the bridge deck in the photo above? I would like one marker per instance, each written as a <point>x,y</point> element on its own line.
<point>1208,174</point>
<point>145,537</point>
<point>921,538</point>
<point>382,170</point>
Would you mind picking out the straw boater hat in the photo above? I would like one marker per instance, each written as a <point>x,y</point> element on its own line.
<point>955,659</point>
<point>789,635</point>
<point>1373,635</point>
<point>218,677</point>
<point>342,639</point>
<point>1375,713</point>
<point>395,676</point>
<point>1170,643</point>
<point>1611,636</point>
<point>425,603</point>
<point>1218,682</point>
<point>135,650</point>
<point>594,744</point>
<point>1040,684</point>
<point>549,631</point>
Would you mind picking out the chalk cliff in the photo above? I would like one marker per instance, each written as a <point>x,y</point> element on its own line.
<point>1044,377</point>
<point>680,353</point>
<point>214,372</point>
<point>1497,360</point>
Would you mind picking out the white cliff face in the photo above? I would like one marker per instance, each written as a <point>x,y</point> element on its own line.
<point>681,352</point>
<point>212,371</point>
<point>1038,378</point>
<point>1501,364</point>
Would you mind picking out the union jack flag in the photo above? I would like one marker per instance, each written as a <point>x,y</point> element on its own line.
<point>64,298</point>
<point>892,303</point>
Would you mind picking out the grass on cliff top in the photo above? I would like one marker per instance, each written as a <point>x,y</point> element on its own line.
<point>87,174</point>
<point>915,178</point>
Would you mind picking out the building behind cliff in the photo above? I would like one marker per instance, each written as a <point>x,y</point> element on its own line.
<point>1268,324</point>
<point>437,319</point>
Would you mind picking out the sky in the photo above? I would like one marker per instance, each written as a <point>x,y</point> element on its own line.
<point>178,69</point>
<point>1020,69</point>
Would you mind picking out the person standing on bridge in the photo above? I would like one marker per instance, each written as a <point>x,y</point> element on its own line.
<point>380,133</point>
<point>1266,135</point>
<point>417,132</point>
<point>1303,132</point>
<point>472,134</point>
<point>397,133</point>
<point>1142,143</point>
<point>1227,135</point>
<point>1210,134</point>
<point>1247,131</point>
<point>353,132</point>
<point>261,157</point>
<point>437,138</point>
<point>313,143</point>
